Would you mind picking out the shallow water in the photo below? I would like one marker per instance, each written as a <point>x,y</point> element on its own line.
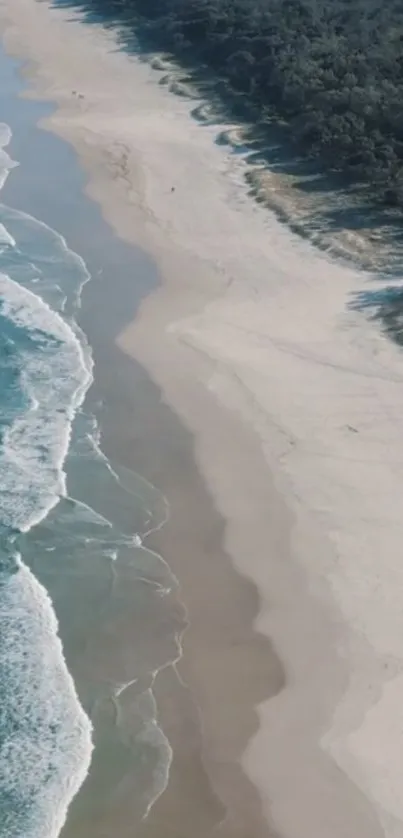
<point>86,617</point>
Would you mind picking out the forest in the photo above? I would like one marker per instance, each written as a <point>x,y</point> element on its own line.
<point>331,70</point>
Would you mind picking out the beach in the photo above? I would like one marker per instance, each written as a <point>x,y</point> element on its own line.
<point>252,387</point>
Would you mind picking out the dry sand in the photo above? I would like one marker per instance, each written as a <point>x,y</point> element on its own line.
<point>295,401</point>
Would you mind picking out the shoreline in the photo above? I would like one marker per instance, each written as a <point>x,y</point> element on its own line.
<point>258,359</point>
<point>205,799</point>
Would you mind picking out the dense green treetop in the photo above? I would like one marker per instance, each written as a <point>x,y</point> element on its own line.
<point>332,69</point>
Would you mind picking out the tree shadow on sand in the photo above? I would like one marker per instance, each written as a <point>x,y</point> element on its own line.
<point>385,306</point>
<point>320,206</point>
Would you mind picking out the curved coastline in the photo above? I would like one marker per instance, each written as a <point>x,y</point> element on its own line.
<point>193,795</point>
<point>245,376</point>
<point>42,717</point>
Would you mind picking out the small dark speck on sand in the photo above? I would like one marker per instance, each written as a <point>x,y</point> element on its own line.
<point>352,429</point>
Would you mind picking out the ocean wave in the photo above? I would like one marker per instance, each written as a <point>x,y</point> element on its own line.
<point>42,254</point>
<point>45,736</point>
<point>5,237</point>
<point>45,371</point>
<point>6,162</point>
<point>54,377</point>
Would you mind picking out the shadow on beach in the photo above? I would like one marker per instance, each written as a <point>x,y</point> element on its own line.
<point>323,207</point>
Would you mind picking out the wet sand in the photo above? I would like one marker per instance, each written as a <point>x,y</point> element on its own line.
<point>207,703</point>
<point>227,667</point>
<point>281,463</point>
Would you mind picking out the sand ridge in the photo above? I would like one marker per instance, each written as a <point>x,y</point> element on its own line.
<point>252,328</point>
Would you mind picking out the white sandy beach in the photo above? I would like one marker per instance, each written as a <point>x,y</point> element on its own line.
<point>295,401</point>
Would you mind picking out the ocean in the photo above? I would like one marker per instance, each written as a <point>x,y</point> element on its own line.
<point>85,619</point>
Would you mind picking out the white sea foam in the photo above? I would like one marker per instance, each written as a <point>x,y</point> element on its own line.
<point>5,237</point>
<point>41,243</point>
<point>45,743</point>
<point>47,754</point>
<point>154,735</point>
<point>6,162</point>
<point>55,378</point>
<point>45,735</point>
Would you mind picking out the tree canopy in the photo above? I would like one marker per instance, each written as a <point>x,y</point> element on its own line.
<point>331,69</point>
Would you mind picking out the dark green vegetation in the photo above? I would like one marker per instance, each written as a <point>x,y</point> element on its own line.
<point>331,69</point>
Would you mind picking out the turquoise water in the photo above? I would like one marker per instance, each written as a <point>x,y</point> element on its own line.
<point>45,370</point>
<point>71,533</point>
